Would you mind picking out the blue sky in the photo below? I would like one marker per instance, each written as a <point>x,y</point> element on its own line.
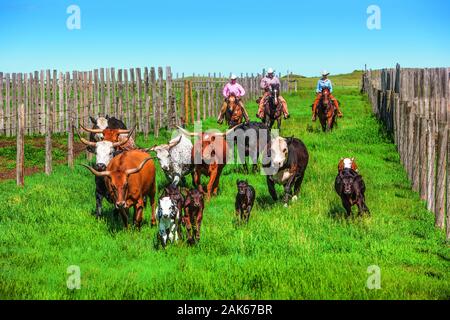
<point>204,36</point>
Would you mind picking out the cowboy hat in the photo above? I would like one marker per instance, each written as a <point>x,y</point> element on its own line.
<point>325,73</point>
<point>233,77</point>
<point>270,70</point>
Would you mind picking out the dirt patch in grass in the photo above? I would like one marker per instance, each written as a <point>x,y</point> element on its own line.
<point>11,174</point>
<point>34,161</point>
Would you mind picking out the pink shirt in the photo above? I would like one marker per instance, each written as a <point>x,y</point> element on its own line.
<point>235,89</point>
<point>266,82</point>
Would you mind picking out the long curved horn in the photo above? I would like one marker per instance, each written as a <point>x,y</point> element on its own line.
<point>173,144</point>
<point>121,143</point>
<point>91,130</point>
<point>123,131</point>
<point>86,142</point>
<point>187,133</point>
<point>136,170</point>
<point>97,173</point>
<point>223,134</point>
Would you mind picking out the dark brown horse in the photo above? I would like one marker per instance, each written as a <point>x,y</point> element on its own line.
<point>234,113</point>
<point>273,107</point>
<point>326,111</point>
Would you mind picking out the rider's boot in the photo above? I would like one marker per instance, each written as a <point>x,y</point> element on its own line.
<point>223,109</point>
<point>314,116</point>
<point>336,104</point>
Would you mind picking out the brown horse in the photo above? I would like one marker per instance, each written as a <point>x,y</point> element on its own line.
<point>273,107</point>
<point>326,111</point>
<point>234,113</point>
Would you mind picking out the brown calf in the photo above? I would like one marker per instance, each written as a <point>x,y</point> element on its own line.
<point>193,213</point>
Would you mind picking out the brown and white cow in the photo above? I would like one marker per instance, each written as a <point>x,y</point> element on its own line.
<point>130,177</point>
<point>209,156</point>
<point>288,159</point>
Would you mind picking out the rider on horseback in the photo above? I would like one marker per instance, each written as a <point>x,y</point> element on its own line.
<point>324,83</point>
<point>265,84</point>
<point>232,88</point>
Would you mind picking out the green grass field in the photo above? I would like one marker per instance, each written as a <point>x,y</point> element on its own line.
<point>341,80</point>
<point>308,251</point>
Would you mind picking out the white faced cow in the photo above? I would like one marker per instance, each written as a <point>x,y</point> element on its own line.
<point>288,161</point>
<point>175,158</point>
<point>104,152</point>
<point>168,215</point>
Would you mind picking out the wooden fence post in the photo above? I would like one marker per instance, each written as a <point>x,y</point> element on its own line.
<point>139,122</point>
<point>20,136</point>
<point>191,102</point>
<point>154,102</point>
<point>48,139</point>
<point>186,101</point>
<point>61,126</point>
<point>442,141</point>
<point>2,119</point>
<point>431,158</point>
<point>55,94</point>
<point>70,126</point>
<point>423,150</point>
<point>161,97</point>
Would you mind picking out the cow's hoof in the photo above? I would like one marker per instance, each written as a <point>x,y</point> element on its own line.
<point>294,198</point>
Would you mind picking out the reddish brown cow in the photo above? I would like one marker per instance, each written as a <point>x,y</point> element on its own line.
<point>209,156</point>
<point>129,177</point>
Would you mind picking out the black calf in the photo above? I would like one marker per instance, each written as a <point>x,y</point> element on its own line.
<point>350,186</point>
<point>244,200</point>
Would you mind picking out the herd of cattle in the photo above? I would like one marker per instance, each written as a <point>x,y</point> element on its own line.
<point>126,175</point>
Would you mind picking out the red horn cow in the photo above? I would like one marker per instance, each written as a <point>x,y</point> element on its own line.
<point>130,177</point>
<point>209,156</point>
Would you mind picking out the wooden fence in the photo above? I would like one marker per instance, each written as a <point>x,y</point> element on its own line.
<point>45,102</point>
<point>414,104</point>
<point>146,97</point>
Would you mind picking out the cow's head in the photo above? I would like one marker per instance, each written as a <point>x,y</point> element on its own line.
<point>347,163</point>
<point>104,150</point>
<point>348,177</point>
<point>167,208</point>
<point>242,186</point>
<point>194,198</point>
<point>348,184</point>
<point>163,152</point>
<point>172,192</point>
<point>117,182</point>
<point>278,152</point>
<point>100,123</point>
